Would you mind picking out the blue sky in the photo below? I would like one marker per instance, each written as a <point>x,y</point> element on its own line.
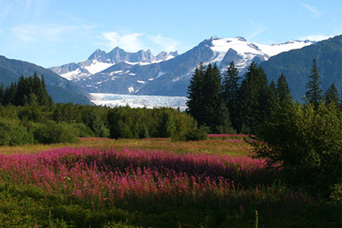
<point>55,32</point>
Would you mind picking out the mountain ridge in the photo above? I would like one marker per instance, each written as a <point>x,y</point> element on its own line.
<point>116,73</point>
<point>296,65</point>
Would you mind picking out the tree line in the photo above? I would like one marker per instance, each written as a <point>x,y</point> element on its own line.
<point>29,115</point>
<point>228,104</point>
<point>301,140</point>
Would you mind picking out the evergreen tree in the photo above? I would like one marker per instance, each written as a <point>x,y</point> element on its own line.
<point>230,91</point>
<point>196,95</point>
<point>313,94</point>
<point>255,100</point>
<point>283,91</point>
<point>331,95</point>
<point>216,116</point>
<point>10,94</point>
<point>44,97</point>
<point>96,124</point>
<point>206,103</point>
<point>272,97</point>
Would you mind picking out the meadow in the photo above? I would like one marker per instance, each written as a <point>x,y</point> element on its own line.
<point>154,182</point>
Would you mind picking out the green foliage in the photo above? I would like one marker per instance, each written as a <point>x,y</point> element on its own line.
<point>143,133</point>
<point>336,193</point>
<point>331,95</point>
<point>255,102</point>
<point>126,122</point>
<point>13,133</point>
<point>231,93</point>
<point>29,90</point>
<point>206,103</point>
<point>196,134</point>
<point>283,91</point>
<point>196,95</point>
<point>313,94</point>
<point>52,132</point>
<point>96,124</point>
<point>83,130</point>
<point>307,142</point>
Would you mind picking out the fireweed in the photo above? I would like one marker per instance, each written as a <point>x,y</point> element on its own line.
<point>101,178</point>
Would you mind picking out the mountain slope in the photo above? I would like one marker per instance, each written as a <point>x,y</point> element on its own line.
<point>167,73</point>
<point>100,60</point>
<point>60,89</point>
<point>297,64</point>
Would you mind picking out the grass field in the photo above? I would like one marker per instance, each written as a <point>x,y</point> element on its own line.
<point>150,183</point>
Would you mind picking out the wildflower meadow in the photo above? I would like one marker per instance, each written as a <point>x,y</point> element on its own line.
<point>132,187</point>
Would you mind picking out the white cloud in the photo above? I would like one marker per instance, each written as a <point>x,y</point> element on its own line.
<point>133,42</point>
<point>257,32</point>
<point>127,41</point>
<point>315,37</point>
<point>167,44</point>
<point>312,9</point>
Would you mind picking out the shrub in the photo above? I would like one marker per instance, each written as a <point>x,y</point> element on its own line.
<point>197,134</point>
<point>143,133</point>
<point>52,132</point>
<point>83,130</point>
<point>13,133</point>
<point>307,142</point>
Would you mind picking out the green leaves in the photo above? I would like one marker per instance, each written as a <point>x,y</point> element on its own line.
<point>307,142</point>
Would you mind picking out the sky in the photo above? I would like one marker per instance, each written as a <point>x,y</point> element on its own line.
<point>55,32</point>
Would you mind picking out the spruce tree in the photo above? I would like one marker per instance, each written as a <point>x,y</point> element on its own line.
<point>206,103</point>
<point>283,91</point>
<point>216,114</point>
<point>10,94</point>
<point>44,97</point>
<point>331,95</point>
<point>255,101</point>
<point>196,95</point>
<point>313,94</point>
<point>230,93</point>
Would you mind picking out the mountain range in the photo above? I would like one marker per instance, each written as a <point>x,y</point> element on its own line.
<point>141,73</point>
<point>168,74</point>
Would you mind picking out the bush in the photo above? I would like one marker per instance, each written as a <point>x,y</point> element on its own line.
<point>307,142</point>
<point>83,130</point>
<point>51,132</point>
<point>143,133</point>
<point>13,133</point>
<point>197,134</point>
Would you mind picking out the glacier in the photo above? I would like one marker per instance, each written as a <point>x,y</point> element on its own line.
<point>138,101</point>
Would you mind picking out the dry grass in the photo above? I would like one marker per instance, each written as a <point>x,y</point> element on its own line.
<point>236,147</point>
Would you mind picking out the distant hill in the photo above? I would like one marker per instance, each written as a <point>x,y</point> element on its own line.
<point>297,64</point>
<point>60,89</point>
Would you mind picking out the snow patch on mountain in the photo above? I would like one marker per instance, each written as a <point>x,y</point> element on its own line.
<point>275,49</point>
<point>97,66</point>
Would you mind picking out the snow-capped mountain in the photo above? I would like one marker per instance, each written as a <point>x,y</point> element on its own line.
<point>100,60</point>
<point>168,73</point>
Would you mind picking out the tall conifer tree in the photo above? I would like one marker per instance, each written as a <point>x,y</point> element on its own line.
<point>195,95</point>
<point>254,99</point>
<point>230,93</point>
<point>314,92</point>
<point>331,95</point>
<point>283,91</point>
